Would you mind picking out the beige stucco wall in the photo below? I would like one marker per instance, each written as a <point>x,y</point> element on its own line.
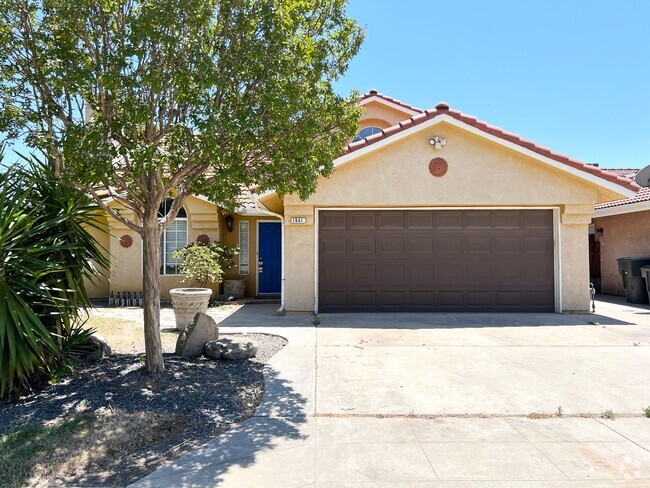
<point>381,115</point>
<point>481,173</point>
<point>99,286</point>
<point>623,235</point>
<point>126,263</point>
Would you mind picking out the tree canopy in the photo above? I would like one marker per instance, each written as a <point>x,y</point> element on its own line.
<point>145,100</point>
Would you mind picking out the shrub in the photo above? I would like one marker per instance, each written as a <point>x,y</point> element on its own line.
<point>45,252</point>
<point>206,263</point>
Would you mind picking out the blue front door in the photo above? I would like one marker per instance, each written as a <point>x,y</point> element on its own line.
<point>269,266</point>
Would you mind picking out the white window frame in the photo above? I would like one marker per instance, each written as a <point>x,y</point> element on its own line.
<point>373,130</point>
<point>163,238</point>
<point>244,257</point>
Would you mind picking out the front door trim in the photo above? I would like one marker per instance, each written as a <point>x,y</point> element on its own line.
<point>557,271</point>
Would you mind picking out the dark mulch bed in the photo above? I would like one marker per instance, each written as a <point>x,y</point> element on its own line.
<point>208,396</point>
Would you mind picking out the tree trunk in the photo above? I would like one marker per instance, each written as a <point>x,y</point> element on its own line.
<point>151,291</point>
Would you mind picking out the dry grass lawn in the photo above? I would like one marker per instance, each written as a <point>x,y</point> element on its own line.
<point>126,336</point>
<point>55,454</point>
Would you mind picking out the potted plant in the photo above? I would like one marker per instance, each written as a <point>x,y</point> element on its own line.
<point>202,263</point>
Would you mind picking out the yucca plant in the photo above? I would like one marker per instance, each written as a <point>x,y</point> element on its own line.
<point>45,252</point>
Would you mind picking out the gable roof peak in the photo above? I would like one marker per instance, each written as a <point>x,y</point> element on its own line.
<point>374,93</point>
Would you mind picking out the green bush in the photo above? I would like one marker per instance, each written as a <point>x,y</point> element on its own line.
<point>45,252</point>
<point>206,263</point>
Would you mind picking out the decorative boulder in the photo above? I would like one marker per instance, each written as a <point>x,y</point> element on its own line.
<point>238,348</point>
<point>100,348</point>
<point>202,329</point>
<point>213,349</point>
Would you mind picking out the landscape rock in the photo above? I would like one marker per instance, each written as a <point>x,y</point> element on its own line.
<point>238,348</point>
<point>101,349</point>
<point>213,349</point>
<point>191,341</point>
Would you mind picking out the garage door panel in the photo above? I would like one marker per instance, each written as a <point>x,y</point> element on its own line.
<point>364,298</point>
<point>361,272</point>
<point>362,246</point>
<point>449,272</point>
<point>507,219</point>
<point>393,245</point>
<point>479,298</point>
<point>537,245</point>
<point>508,298</point>
<point>442,260</point>
<point>449,245</point>
<point>390,273</point>
<point>332,221</point>
<point>361,221</point>
<point>450,298</point>
<point>420,273</point>
<point>507,273</point>
<point>477,245</point>
<point>392,298</point>
<point>507,245</point>
<point>536,219</point>
<point>449,220</point>
<point>333,246</point>
<point>334,274</point>
<point>478,219</point>
<point>390,220</point>
<point>419,220</point>
<point>419,246</point>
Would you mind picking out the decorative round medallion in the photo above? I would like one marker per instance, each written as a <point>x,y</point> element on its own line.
<point>203,239</point>
<point>126,241</point>
<point>438,167</point>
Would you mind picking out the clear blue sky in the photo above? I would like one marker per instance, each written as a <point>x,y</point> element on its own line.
<point>570,75</point>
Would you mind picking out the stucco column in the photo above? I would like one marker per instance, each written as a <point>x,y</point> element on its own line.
<point>299,259</point>
<point>574,249</point>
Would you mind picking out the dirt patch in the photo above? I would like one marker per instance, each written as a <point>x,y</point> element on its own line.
<point>133,422</point>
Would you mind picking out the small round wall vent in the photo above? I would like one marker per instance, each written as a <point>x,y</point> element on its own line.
<point>438,167</point>
<point>126,241</point>
<point>203,239</point>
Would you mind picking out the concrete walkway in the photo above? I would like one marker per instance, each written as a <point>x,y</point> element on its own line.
<point>352,403</point>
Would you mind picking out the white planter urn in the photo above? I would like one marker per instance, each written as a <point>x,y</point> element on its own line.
<point>188,302</point>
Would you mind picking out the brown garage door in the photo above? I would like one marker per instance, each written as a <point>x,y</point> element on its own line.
<point>436,260</point>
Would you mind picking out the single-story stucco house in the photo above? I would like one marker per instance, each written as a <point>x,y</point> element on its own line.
<point>619,228</point>
<point>427,210</point>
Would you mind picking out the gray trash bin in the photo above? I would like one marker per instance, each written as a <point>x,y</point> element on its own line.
<point>633,281</point>
<point>645,272</point>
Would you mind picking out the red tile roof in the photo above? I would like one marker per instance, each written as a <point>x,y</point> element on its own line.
<point>443,109</point>
<point>642,195</point>
<point>629,173</point>
<point>375,93</point>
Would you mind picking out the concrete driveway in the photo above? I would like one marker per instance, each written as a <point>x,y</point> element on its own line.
<point>440,400</point>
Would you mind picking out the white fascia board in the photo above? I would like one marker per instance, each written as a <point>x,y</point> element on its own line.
<point>621,209</point>
<point>390,104</point>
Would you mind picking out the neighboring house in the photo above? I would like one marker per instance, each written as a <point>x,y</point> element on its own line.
<point>620,228</point>
<point>425,211</point>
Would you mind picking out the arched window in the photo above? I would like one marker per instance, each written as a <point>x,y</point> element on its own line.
<point>174,237</point>
<point>365,132</point>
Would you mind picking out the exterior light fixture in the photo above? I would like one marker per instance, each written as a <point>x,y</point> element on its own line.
<point>229,223</point>
<point>437,142</point>
<point>600,231</point>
